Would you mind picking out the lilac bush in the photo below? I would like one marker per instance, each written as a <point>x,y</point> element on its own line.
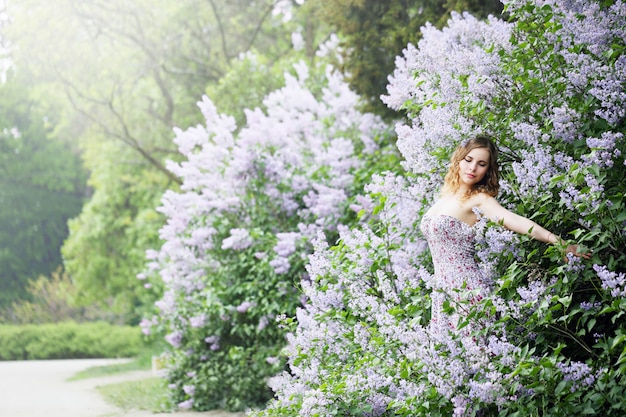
<point>545,337</point>
<point>239,229</point>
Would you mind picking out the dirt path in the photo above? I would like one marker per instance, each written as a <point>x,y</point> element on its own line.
<point>42,389</point>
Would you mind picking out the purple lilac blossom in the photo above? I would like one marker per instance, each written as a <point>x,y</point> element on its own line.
<point>186,405</point>
<point>613,281</point>
<point>212,339</point>
<point>239,239</point>
<point>245,306</point>
<point>280,265</point>
<point>286,244</point>
<point>197,321</point>
<point>263,322</point>
<point>586,305</point>
<point>174,339</point>
<point>577,372</point>
<point>451,363</point>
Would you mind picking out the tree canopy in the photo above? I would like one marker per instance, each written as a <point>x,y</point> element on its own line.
<point>42,185</point>
<point>123,75</point>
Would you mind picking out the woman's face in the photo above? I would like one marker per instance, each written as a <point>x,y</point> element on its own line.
<point>474,167</point>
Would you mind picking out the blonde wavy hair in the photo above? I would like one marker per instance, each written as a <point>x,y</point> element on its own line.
<point>490,184</point>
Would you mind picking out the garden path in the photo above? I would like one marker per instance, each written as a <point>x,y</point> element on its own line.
<point>42,389</point>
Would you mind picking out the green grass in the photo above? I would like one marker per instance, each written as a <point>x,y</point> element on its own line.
<point>145,394</point>
<point>97,371</point>
<point>149,394</point>
<point>142,362</point>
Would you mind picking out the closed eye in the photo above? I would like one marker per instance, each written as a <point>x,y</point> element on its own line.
<point>470,159</point>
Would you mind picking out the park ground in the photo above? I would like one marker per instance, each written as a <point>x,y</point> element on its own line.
<point>45,388</point>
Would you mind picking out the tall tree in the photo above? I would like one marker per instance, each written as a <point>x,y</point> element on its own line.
<point>129,72</point>
<point>42,185</point>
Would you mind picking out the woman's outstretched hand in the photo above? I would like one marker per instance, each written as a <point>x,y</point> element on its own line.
<point>577,251</point>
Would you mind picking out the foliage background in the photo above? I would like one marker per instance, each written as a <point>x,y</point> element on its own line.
<point>42,185</point>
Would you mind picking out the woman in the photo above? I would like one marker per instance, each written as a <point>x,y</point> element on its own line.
<point>470,188</point>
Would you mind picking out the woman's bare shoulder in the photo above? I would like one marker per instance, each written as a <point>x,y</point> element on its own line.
<point>480,198</point>
<point>483,200</point>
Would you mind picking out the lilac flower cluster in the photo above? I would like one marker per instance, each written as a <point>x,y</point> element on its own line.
<point>337,338</point>
<point>612,281</point>
<point>579,373</point>
<point>239,239</point>
<point>584,23</point>
<point>294,127</point>
<point>492,243</point>
<point>586,305</point>
<point>431,74</point>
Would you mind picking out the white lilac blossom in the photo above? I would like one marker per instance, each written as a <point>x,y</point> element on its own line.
<point>297,40</point>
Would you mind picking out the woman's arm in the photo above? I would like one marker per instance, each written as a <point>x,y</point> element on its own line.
<point>519,224</point>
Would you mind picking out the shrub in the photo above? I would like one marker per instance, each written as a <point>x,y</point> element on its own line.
<point>549,339</point>
<point>69,340</point>
<point>50,300</point>
<point>239,230</point>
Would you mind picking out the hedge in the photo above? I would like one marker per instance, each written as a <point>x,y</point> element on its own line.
<point>68,340</point>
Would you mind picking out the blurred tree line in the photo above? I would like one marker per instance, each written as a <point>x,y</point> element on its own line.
<point>42,185</point>
<point>109,79</point>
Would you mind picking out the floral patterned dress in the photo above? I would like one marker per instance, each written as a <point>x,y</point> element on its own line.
<point>452,246</point>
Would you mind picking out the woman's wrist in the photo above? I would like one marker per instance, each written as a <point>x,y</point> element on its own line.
<point>556,240</point>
